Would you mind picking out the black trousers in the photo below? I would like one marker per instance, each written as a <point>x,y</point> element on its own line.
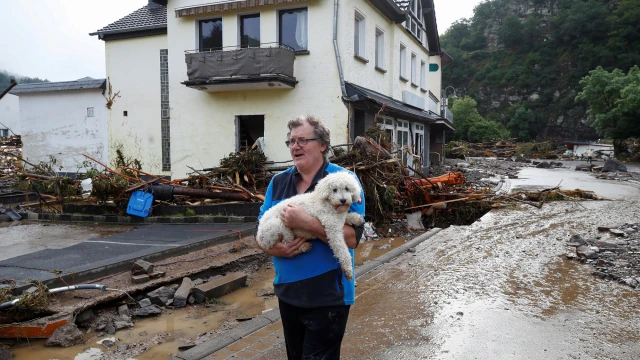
<point>314,333</point>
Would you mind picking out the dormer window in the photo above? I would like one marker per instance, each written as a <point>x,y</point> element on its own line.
<point>414,21</point>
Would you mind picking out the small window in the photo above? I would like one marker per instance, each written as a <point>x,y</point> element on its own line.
<point>423,75</point>
<point>89,112</point>
<point>125,113</point>
<point>250,31</point>
<point>210,37</point>
<point>359,40</point>
<point>379,48</point>
<point>293,29</point>
<point>414,69</point>
<point>403,61</point>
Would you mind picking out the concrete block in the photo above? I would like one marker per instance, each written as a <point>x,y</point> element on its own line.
<point>123,310</point>
<point>182,294</point>
<point>141,267</point>
<point>144,302</point>
<point>221,286</point>
<point>139,279</point>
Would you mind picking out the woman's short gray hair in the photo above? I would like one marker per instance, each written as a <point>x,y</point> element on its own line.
<point>319,129</point>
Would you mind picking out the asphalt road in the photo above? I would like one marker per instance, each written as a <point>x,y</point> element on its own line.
<point>98,256</point>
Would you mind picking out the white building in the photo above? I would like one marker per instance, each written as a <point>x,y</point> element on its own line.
<point>9,116</point>
<point>201,80</point>
<point>64,120</point>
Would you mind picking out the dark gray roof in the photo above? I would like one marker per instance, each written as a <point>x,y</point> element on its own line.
<point>150,16</point>
<point>393,106</point>
<point>59,86</point>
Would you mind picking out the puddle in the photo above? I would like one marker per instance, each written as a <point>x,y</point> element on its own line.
<point>25,237</point>
<point>533,179</point>
<point>162,335</point>
<point>371,249</point>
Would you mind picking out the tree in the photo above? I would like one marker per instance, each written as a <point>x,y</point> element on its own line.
<point>487,130</point>
<point>465,114</point>
<point>523,124</point>
<point>613,101</point>
<point>511,32</point>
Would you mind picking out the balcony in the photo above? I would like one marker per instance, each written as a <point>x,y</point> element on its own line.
<point>269,67</point>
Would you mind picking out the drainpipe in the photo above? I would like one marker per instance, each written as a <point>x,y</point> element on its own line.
<point>335,48</point>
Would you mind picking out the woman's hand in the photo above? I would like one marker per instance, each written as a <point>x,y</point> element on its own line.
<point>288,250</point>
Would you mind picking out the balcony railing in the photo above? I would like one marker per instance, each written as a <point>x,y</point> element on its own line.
<point>447,114</point>
<point>268,66</point>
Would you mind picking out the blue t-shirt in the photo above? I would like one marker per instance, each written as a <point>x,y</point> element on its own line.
<point>315,278</point>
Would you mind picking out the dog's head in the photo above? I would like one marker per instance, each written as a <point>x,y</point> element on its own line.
<point>340,189</point>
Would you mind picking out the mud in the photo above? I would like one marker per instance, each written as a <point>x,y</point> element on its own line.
<point>501,288</point>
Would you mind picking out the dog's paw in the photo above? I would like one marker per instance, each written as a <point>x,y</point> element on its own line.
<point>305,247</point>
<point>354,219</point>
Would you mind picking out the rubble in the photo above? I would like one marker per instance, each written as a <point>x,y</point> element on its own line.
<point>65,336</point>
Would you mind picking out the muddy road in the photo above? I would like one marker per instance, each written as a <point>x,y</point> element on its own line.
<point>501,288</point>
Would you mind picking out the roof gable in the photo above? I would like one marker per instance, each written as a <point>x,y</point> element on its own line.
<point>150,19</point>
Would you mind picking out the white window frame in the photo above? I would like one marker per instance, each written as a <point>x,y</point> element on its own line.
<point>403,137</point>
<point>418,143</point>
<point>279,26</point>
<point>379,48</point>
<point>403,61</point>
<point>90,112</point>
<point>386,124</point>
<point>414,69</point>
<point>359,35</point>
<point>423,75</point>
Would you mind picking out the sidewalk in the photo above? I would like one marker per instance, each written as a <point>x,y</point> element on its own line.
<point>98,257</point>
<point>262,337</point>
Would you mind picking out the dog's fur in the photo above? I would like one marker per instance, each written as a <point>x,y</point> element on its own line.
<point>329,203</point>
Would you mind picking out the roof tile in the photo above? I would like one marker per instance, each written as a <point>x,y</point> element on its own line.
<point>151,15</point>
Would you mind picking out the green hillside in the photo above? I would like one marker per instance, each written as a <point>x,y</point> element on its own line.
<point>527,57</point>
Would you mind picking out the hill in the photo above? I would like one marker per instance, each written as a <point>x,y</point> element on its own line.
<point>532,54</point>
<point>5,79</point>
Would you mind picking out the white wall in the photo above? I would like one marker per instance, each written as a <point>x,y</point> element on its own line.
<point>56,123</point>
<point>203,127</point>
<point>10,113</point>
<point>133,67</point>
<point>366,75</point>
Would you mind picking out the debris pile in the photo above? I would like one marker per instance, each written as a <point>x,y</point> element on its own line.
<point>462,149</point>
<point>10,164</point>
<point>614,253</point>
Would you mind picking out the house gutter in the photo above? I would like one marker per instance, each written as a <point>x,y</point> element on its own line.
<point>336,50</point>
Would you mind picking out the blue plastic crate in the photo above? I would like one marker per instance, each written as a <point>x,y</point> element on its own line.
<point>140,203</point>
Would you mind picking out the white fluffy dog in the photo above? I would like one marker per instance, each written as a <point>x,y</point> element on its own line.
<point>329,203</point>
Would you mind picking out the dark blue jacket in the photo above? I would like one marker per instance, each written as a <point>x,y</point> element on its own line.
<point>312,279</point>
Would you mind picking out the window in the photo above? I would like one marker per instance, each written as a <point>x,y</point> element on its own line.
<point>359,35</point>
<point>4,132</point>
<point>210,35</point>
<point>402,139</point>
<point>125,113</point>
<point>293,28</point>
<point>386,124</point>
<point>418,144</point>
<point>414,19</point>
<point>423,75</point>
<point>249,132</point>
<point>250,31</point>
<point>89,112</point>
<point>379,48</point>
<point>403,62</point>
<point>414,69</point>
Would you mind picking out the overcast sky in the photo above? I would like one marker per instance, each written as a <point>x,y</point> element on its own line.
<point>50,39</point>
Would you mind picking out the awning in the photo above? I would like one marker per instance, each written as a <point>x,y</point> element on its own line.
<point>225,5</point>
<point>393,107</point>
<point>443,124</point>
